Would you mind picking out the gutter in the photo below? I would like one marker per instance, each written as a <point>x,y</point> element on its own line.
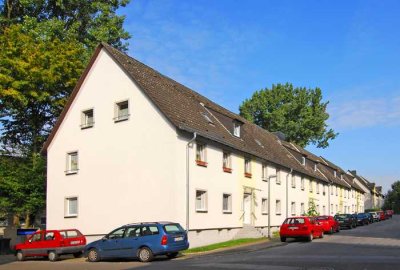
<point>187,179</point>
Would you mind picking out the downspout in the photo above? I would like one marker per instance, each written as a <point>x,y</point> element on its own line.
<point>187,179</point>
<point>287,192</point>
<point>269,203</point>
<point>329,199</point>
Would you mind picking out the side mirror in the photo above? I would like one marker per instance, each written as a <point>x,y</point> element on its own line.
<point>104,238</point>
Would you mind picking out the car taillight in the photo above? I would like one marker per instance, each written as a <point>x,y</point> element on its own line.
<point>164,240</point>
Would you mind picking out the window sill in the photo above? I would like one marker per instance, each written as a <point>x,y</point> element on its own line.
<point>226,212</point>
<point>278,214</point>
<point>293,186</point>
<point>278,183</point>
<point>265,214</point>
<point>71,216</point>
<point>201,211</point>
<point>248,175</point>
<point>86,126</point>
<point>264,179</point>
<point>121,118</point>
<point>71,172</point>
<point>201,163</point>
<point>227,170</point>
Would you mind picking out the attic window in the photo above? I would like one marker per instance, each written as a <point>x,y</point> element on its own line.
<point>334,174</point>
<point>236,129</point>
<point>207,118</point>
<point>341,177</point>
<point>315,167</point>
<point>303,161</point>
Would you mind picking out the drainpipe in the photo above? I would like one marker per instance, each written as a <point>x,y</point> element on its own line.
<point>329,199</point>
<point>269,204</point>
<point>187,179</point>
<point>287,192</point>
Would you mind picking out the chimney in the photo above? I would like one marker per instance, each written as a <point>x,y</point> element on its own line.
<point>353,172</point>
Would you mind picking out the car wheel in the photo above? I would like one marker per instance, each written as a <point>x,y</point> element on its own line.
<point>20,256</point>
<point>310,237</point>
<point>283,239</point>
<point>53,256</point>
<point>78,254</point>
<point>145,254</point>
<point>93,255</point>
<point>172,255</point>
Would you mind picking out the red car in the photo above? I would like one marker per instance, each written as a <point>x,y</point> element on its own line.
<point>51,244</point>
<point>382,215</point>
<point>389,213</point>
<point>329,224</point>
<point>301,227</point>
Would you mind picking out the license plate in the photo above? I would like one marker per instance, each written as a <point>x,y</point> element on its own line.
<point>178,239</point>
<point>293,228</point>
<point>75,242</point>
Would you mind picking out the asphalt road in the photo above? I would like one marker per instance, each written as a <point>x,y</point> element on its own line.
<point>376,246</point>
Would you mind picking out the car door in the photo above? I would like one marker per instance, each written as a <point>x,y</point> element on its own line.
<point>111,243</point>
<point>35,245</point>
<point>130,242</point>
<point>50,241</point>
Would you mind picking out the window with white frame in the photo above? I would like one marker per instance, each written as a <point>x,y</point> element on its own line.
<point>303,161</point>
<point>87,119</point>
<point>311,186</point>
<point>317,187</point>
<point>264,172</point>
<point>337,191</point>
<point>72,163</point>
<point>227,203</point>
<point>293,208</point>
<point>236,129</point>
<point>302,210</point>
<point>331,208</point>
<point>331,190</point>
<point>247,167</point>
<point>324,189</point>
<point>324,210</point>
<point>334,174</point>
<point>302,183</point>
<point>293,181</point>
<point>71,207</point>
<point>201,200</point>
<point>336,206</point>
<point>201,154</point>
<point>264,206</point>
<point>318,209</point>
<point>226,162</point>
<point>278,207</point>
<point>121,111</point>
<point>278,177</point>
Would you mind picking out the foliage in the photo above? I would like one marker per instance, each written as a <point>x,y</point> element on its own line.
<point>312,209</point>
<point>227,244</point>
<point>297,112</point>
<point>392,198</point>
<point>22,185</point>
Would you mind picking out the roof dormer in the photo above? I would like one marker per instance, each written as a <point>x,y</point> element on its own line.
<point>303,160</point>
<point>236,128</point>
<point>334,173</point>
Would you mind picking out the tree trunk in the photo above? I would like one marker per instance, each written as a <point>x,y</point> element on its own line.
<point>15,220</point>
<point>27,220</point>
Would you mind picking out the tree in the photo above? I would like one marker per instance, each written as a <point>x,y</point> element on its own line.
<point>297,112</point>
<point>312,209</point>
<point>392,198</point>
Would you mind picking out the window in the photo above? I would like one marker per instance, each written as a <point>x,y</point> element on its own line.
<point>236,129</point>
<point>317,187</point>
<point>311,186</point>
<point>315,167</point>
<point>264,206</point>
<point>293,208</point>
<point>278,177</point>
<point>336,208</point>
<point>293,181</point>
<point>334,174</point>
<point>318,209</point>
<point>336,190</point>
<point>201,155</point>
<point>324,210</point>
<point>302,183</point>
<point>201,201</point>
<point>132,232</point>
<point>36,237</point>
<point>227,203</point>
<point>331,208</point>
<point>278,207</point>
<point>87,119</point>
<point>72,163</point>
<point>323,189</point>
<point>264,172</point>
<point>303,161</point>
<point>49,236</point>
<point>121,111</point>
<point>247,167</point>
<point>116,234</point>
<point>149,230</point>
<point>331,190</point>
<point>71,207</point>
<point>226,162</point>
<point>302,211</point>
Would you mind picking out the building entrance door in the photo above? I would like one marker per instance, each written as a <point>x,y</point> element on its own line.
<point>247,209</point>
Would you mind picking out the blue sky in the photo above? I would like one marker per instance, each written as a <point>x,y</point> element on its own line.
<point>226,50</point>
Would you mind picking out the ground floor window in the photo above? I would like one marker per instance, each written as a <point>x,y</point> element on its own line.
<point>201,200</point>
<point>227,203</point>
<point>71,207</point>
<point>278,207</point>
<point>264,206</point>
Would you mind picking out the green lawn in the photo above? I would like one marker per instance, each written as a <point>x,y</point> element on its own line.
<point>226,244</point>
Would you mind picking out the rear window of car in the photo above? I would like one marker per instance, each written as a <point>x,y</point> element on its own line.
<point>294,221</point>
<point>322,218</point>
<point>173,228</point>
<point>70,234</point>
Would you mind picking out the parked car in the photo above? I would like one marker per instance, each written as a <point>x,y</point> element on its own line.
<point>301,227</point>
<point>51,244</point>
<point>370,217</point>
<point>389,213</point>
<point>362,219</point>
<point>346,220</point>
<point>139,240</point>
<point>355,224</point>
<point>375,216</point>
<point>329,224</point>
<point>382,215</point>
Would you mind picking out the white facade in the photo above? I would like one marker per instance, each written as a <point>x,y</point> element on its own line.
<point>118,172</point>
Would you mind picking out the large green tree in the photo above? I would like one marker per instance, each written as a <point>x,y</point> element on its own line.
<point>44,47</point>
<point>392,198</point>
<point>298,112</point>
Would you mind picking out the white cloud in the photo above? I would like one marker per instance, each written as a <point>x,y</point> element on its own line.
<point>366,113</point>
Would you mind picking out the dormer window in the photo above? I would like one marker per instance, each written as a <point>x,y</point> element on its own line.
<point>334,174</point>
<point>341,177</point>
<point>236,129</point>
<point>303,161</point>
<point>315,167</point>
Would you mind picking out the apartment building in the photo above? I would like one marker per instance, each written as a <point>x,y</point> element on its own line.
<point>133,145</point>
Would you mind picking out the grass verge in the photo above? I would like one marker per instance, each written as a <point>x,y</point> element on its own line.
<point>231,243</point>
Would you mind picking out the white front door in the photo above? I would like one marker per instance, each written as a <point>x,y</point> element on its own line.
<point>247,209</point>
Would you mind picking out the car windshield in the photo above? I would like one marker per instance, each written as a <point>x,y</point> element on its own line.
<point>173,228</point>
<point>294,221</point>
